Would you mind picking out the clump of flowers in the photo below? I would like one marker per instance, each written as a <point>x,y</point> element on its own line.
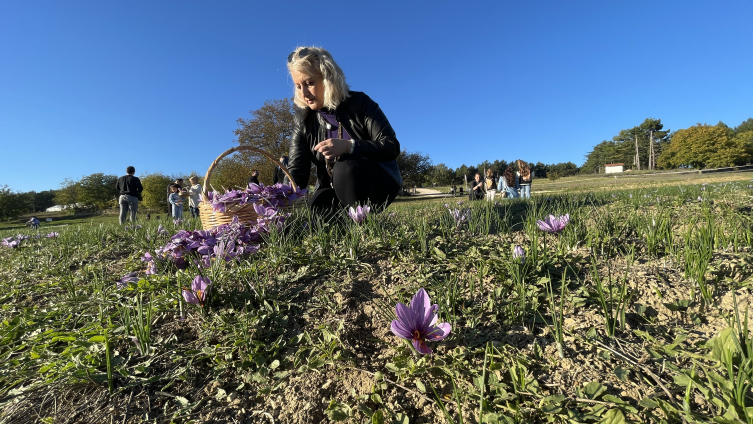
<point>52,235</point>
<point>554,224</point>
<point>10,242</point>
<point>128,278</point>
<point>418,322</point>
<point>200,289</point>
<point>225,242</point>
<point>274,195</point>
<point>359,213</point>
<point>519,253</point>
<point>460,216</point>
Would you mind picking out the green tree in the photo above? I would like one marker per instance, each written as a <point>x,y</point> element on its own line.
<point>441,175</point>
<point>67,194</point>
<point>414,167</point>
<point>702,146</point>
<point>154,195</point>
<point>745,126</point>
<point>97,191</point>
<point>270,128</point>
<point>12,204</point>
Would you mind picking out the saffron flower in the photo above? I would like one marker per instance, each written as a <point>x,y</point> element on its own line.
<point>359,214</point>
<point>519,253</point>
<point>200,289</point>
<point>52,235</point>
<point>128,278</point>
<point>554,224</point>
<point>460,216</point>
<point>418,322</point>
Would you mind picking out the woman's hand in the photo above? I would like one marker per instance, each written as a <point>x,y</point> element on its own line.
<point>333,148</point>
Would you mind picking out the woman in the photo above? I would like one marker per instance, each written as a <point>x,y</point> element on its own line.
<point>176,201</point>
<point>194,197</point>
<point>526,178</point>
<point>509,183</point>
<point>491,184</point>
<point>343,133</point>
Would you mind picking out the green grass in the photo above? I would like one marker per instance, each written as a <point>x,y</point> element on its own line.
<point>614,320</point>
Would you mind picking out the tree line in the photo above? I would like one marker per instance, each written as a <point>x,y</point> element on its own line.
<point>646,146</point>
<point>649,146</point>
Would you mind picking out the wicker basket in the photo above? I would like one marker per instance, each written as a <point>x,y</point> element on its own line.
<point>245,213</point>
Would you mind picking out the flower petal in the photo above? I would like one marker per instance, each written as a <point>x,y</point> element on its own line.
<point>399,330</point>
<point>190,297</point>
<point>421,347</point>
<point>439,332</point>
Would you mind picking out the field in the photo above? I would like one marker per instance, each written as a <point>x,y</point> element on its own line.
<point>636,311</point>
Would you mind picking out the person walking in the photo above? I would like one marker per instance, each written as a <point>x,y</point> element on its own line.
<point>176,201</point>
<point>343,133</point>
<point>194,197</point>
<point>525,179</point>
<point>129,187</point>
<point>179,183</point>
<point>508,184</point>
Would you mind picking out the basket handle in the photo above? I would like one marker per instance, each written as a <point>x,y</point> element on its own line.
<point>239,148</point>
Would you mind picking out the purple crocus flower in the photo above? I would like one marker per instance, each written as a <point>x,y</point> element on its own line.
<point>518,252</point>
<point>418,322</point>
<point>52,235</point>
<point>359,214</point>
<point>554,224</point>
<point>200,289</point>
<point>128,278</point>
<point>161,230</point>
<point>460,215</point>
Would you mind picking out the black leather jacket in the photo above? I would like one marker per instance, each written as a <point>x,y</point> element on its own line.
<point>362,118</point>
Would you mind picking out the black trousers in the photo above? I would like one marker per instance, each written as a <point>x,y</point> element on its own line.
<point>355,181</point>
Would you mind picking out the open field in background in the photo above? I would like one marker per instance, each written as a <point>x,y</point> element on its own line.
<point>635,312</point>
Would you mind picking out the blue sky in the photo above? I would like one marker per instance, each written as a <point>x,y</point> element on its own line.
<point>88,86</point>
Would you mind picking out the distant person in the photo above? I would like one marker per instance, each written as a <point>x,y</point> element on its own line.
<point>490,184</point>
<point>508,184</point>
<point>179,183</point>
<point>194,197</point>
<point>525,179</point>
<point>130,189</point>
<point>148,216</point>
<point>176,201</point>
<point>453,189</point>
<point>33,222</point>
<point>343,133</point>
<point>460,190</point>
<point>279,175</point>
<point>476,190</point>
<point>254,178</point>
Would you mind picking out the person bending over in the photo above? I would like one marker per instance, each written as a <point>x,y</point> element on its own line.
<point>476,189</point>
<point>343,133</point>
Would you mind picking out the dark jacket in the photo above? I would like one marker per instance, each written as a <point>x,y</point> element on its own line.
<point>130,185</point>
<point>362,118</point>
<point>253,180</point>
<point>279,176</point>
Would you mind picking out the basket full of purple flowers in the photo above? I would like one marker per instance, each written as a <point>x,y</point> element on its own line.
<point>218,208</point>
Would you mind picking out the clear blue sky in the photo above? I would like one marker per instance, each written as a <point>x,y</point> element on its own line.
<point>94,86</point>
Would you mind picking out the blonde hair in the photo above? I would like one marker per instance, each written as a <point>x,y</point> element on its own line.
<point>319,61</point>
<point>525,171</point>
